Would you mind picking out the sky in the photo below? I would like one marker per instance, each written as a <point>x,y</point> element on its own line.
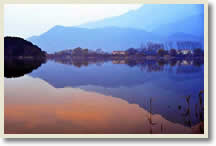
<point>26,20</point>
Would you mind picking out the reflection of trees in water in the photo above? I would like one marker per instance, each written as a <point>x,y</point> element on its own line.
<point>198,62</point>
<point>20,67</point>
<point>154,65</point>
<point>81,62</point>
<point>182,66</point>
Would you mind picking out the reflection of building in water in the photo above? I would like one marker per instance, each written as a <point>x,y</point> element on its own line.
<point>185,51</point>
<point>118,62</point>
<point>186,62</point>
<point>118,53</point>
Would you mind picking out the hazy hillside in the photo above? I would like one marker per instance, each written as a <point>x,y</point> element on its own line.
<point>150,17</point>
<point>110,38</point>
<point>179,36</point>
<point>149,23</point>
<point>191,25</point>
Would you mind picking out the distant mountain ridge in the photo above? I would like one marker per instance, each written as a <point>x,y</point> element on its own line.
<point>110,38</point>
<point>193,25</point>
<point>151,22</point>
<point>150,16</point>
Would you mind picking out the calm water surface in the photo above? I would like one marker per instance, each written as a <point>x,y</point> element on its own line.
<point>110,97</point>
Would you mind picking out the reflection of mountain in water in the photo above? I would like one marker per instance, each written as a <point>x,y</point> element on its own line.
<point>20,67</point>
<point>165,82</point>
<point>98,113</point>
<point>136,83</point>
<point>115,74</point>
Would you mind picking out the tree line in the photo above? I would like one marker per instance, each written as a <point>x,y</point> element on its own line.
<point>151,49</point>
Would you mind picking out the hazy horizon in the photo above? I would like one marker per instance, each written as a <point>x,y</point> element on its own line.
<point>135,24</point>
<point>46,16</point>
<point>26,20</point>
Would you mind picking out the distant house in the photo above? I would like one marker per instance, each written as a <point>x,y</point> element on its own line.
<point>118,53</point>
<point>186,51</point>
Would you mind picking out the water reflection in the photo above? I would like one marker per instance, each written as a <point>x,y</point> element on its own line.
<point>167,88</point>
<point>150,65</point>
<point>20,67</point>
<point>45,109</point>
<point>170,89</point>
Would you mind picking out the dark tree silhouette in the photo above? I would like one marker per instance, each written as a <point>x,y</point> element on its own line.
<point>198,52</point>
<point>172,52</point>
<point>131,51</point>
<point>18,47</point>
<point>161,52</point>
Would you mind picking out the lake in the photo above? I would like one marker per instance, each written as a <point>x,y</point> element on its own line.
<point>105,97</point>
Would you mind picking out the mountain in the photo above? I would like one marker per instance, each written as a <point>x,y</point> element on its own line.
<point>180,36</point>
<point>150,16</point>
<point>191,25</point>
<point>110,38</point>
<point>161,22</point>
